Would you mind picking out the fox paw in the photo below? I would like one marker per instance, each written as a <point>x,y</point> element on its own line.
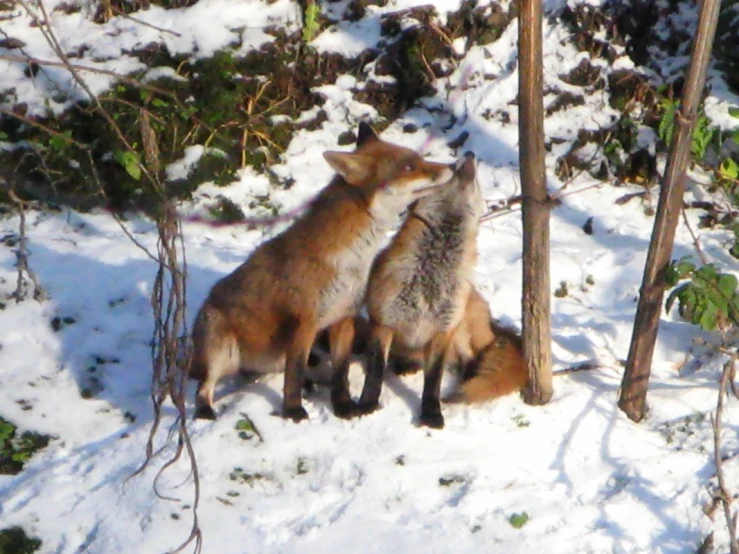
<point>402,366</point>
<point>431,418</point>
<point>205,412</point>
<point>366,408</point>
<point>297,414</point>
<point>345,409</point>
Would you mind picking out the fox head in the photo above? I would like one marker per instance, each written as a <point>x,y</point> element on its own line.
<point>391,176</point>
<point>462,195</point>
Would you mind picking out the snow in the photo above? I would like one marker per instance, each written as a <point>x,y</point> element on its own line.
<point>590,480</point>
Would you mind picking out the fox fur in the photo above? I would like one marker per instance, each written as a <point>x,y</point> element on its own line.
<point>265,315</point>
<point>420,285</point>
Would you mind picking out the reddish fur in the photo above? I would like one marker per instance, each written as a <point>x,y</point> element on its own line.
<point>267,312</point>
<point>499,370</point>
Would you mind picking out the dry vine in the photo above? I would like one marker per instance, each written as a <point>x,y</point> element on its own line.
<point>168,291</point>
<point>21,255</point>
<point>721,494</point>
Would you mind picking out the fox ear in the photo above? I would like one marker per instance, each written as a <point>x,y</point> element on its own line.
<point>354,168</point>
<point>365,134</point>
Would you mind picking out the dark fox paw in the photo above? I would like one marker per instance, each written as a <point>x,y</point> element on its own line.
<point>401,366</point>
<point>366,408</point>
<point>205,412</point>
<point>345,409</point>
<point>297,414</point>
<point>431,417</point>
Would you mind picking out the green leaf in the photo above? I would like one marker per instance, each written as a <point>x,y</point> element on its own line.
<point>676,293</point>
<point>708,272</point>
<point>717,298</point>
<point>727,285</point>
<point>702,137</point>
<point>729,169</point>
<point>244,425</point>
<point>688,300</point>
<point>734,250</point>
<point>60,141</point>
<point>667,122</point>
<point>734,111</point>
<point>311,25</point>
<point>159,103</point>
<point>518,520</point>
<point>130,162</point>
<point>684,267</point>
<point>709,317</point>
<point>21,456</point>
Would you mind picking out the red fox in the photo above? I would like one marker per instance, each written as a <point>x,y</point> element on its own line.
<point>419,287</point>
<point>489,355</point>
<point>265,315</point>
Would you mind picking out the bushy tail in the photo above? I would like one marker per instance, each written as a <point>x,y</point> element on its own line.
<point>498,370</point>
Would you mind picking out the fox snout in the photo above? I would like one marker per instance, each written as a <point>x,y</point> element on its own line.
<point>466,167</point>
<point>435,175</point>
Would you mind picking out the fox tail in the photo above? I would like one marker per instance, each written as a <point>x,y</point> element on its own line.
<point>499,369</point>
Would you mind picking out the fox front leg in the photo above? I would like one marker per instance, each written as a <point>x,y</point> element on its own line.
<point>296,362</point>
<point>341,339</point>
<point>438,354</point>
<point>382,339</point>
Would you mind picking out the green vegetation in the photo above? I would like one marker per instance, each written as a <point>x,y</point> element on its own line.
<point>14,540</point>
<point>453,479</point>
<point>16,449</point>
<point>518,520</point>
<point>707,298</point>
<point>311,26</point>
<point>244,110</point>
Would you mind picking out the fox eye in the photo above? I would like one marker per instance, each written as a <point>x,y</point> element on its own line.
<point>409,166</point>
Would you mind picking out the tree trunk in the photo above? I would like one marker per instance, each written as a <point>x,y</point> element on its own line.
<point>535,301</point>
<point>638,365</point>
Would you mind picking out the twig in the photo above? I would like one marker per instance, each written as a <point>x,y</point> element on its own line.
<point>30,121</point>
<point>721,493</point>
<point>706,546</point>
<point>696,244</point>
<point>118,11</point>
<point>86,68</point>
<point>21,255</point>
<point>585,366</point>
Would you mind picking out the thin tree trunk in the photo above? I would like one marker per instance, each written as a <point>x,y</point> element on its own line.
<point>535,301</point>
<point>638,366</point>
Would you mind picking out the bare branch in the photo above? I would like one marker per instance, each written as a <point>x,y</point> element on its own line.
<point>721,494</point>
<point>696,244</point>
<point>22,254</point>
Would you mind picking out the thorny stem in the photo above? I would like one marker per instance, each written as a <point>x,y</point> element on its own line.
<point>21,255</point>
<point>696,244</point>
<point>168,298</point>
<point>721,493</point>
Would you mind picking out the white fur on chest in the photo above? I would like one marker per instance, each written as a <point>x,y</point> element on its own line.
<point>344,294</point>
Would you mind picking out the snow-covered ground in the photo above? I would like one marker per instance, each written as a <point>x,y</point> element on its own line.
<point>589,480</point>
